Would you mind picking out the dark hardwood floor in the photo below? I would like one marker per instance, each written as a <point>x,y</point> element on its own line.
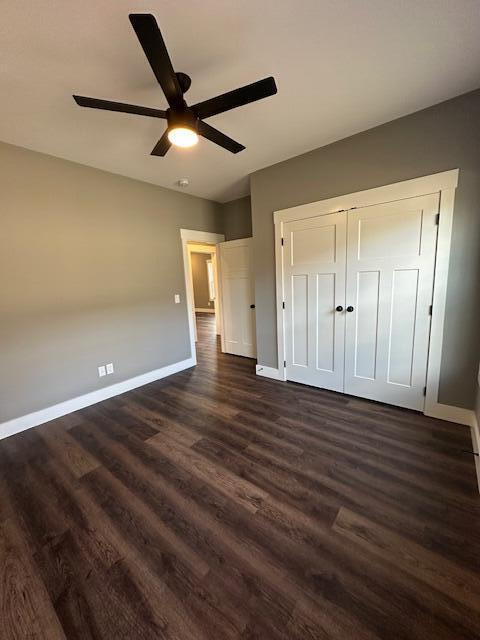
<point>218,505</point>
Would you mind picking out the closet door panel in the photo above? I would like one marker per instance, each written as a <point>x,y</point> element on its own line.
<point>402,326</point>
<point>314,285</point>
<point>390,267</point>
<point>366,330</point>
<point>299,315</point>
<point>325,321</point>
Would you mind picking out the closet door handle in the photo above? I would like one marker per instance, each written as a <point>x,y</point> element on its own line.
<point>252,306</point>
<point>350,309</point>
<point>339,308</point>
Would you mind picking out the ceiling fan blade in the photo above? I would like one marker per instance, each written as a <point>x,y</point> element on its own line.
<point>236,98</point>
<point>216,136</point>
<point>122,107</point>
<point>151,39</point>
<point>162,146</point>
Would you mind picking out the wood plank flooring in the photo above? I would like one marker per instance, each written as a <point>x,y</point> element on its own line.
<point>218,505</point>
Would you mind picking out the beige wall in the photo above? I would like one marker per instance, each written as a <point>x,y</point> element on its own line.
<point>446,136</point>
<point>89,265</point>
<point>201,293</point>
<point>237,218</point>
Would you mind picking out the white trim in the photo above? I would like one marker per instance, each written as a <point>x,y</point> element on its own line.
<point>200,310</point>
<point>268,372</point>
<point>30,420</point>
<point>205,237</point>
<point>282,371</point>
<point>443,183</point>
<point>379,195</point>
<point>189,235</point>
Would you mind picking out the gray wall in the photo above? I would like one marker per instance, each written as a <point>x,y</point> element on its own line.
<point>201,293</point>
<point>446,136</point>
<point>89,265</point>
<point>237,219</point>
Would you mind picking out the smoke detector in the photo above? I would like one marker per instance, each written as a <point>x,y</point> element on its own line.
<point>183,182</point>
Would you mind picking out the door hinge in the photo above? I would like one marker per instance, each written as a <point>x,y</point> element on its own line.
<point>284,363</point>
<point>424,391</point>
<point>283,305</point>
<point>282,242</point>
<point>430,310</point>
<point>437,219</point>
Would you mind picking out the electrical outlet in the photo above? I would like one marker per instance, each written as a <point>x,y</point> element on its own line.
<point>101,372</point>
<point>109,368</point>
<point>177,298</point>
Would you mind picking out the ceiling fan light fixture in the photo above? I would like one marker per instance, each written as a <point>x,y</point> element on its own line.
<point>182,137</point>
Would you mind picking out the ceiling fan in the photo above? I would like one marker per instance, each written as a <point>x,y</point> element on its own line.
<point>185,123</point>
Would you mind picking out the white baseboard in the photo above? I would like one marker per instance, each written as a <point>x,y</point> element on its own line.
<point>37,418</point>
<point>268,372</point>
<point>462,416</point>
<point>207,310</point>
<point>451,413</point>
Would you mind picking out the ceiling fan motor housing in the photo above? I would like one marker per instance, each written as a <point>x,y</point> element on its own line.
<point>182,117</point>
<point>184,81</point>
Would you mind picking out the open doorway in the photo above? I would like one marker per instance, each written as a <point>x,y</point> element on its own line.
<point>201,274</point>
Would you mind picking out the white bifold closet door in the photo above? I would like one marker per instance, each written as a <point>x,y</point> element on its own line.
<point>314,281</point>
<point>238,297</point>
<point>358,288</point>
<point>390,268</point>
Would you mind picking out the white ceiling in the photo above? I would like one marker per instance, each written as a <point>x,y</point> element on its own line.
<point>341,66</point>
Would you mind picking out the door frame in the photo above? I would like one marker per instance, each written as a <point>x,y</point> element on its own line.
<point>186,236</point>
<point>443,183</point>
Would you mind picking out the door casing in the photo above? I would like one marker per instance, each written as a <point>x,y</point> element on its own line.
<point>444,184</point>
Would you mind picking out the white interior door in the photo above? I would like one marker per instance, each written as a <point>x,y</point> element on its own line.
<point>390,268</point>
<point>314,286</point>
<point>238,297</point>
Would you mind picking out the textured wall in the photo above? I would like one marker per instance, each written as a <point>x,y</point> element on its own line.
<point>446,136</point>
<point>89,265</point>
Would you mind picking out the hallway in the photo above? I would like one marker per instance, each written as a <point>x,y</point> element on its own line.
<point>206,336</point>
